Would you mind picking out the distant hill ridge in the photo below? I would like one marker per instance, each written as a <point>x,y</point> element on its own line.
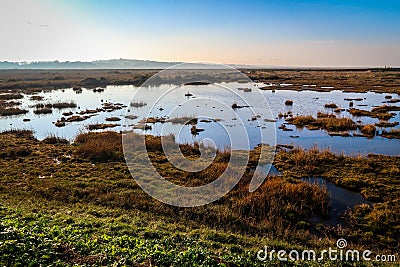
<point>97,64</point>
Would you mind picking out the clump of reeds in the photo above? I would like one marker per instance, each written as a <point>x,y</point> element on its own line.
<point>330,105</point>
<point>183,120</point>
<point>58,105</point>
<point>378,112</point>
<point>325,115</point>
<point>7,104</point>
<point>369,130</point>
<point>153,120</point>
<point>195,131</point>
<point>113,119</point>
<point>61,105</point>
<point>101,126</point>
<point>289,102</point>
<point>337,124</point>
<point>137,104</point>
<point>36,98</point>
<point>43,105</point>
<point>279,199</point>
<point>329,123</point>
<point>302,120</point>
<point>383,116</point>
<point>386,124</point>
<point>10,96</point>
<point>12,111</point>
<point>19,132</point>
<point>393,133</point>
<point>156,143</point>
<point>104,146</point>
<point>43,111</point>
<point>385,108</point>
<point>53,139</point>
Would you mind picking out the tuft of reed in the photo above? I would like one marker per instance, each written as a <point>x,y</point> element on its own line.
<point>53,139</point>
<point>43,111</point>
<point>58,105</point>
<point>184,120</point>
<point>337,124</point>
<point>101,126</point>
<point>393,133</point>
<point>359,112</point>
<point>12,111</point>
<point>137,104</point>
<point>10,96</point>
<point>385,108</point>
<point>6,104</point>
<point>19,132</point>
<point>325,115</point>
<point>329,123</point>
<point>113,119</point>
<point>368,130</point>
<point>62,105</point>
<point>280,199</point>
<point>384,124</point>
<point>330,105</point>
<point>36,98</point>
<point>100,147</point>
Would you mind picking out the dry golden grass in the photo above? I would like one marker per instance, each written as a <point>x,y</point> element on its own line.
<point>347,80</point>
<point>10,96</point>
<point>377,112</point>
<point>43,111</point>
<point>329,123</point>
<point>12,111</point>
<point>103,146</point>
<point>393,133</point>
<point>278,198</point>
<point>101,126</point>
<point>385,108</point>
<point>37,80</point>
<point>281,207</point>
<point>369,129</point>
<point>330,105</point>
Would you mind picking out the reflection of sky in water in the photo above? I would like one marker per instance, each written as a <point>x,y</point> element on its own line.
<point>233,128</point>
<point>341,199</point>
<point>204,103</point>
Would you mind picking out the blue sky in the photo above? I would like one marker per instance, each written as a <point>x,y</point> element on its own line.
<point>276,32</point>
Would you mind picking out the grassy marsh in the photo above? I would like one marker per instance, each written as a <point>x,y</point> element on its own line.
<point>326,122</point>
<point>76,204</point>
<point>91,182</point>
<point>376,80</point>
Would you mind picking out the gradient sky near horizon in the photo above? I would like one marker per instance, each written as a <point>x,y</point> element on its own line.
<point>274,32</point>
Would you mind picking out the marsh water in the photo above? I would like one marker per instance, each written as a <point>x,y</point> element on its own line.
<point>221,116</point>
<point>305,102</point>
<point>341,200</point>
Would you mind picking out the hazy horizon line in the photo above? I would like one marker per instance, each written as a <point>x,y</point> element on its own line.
<point>270,66</point>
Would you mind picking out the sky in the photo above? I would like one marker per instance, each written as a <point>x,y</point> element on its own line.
<point>347,33</point>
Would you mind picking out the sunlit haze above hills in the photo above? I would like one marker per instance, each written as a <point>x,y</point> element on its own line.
<point>275,33</point>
